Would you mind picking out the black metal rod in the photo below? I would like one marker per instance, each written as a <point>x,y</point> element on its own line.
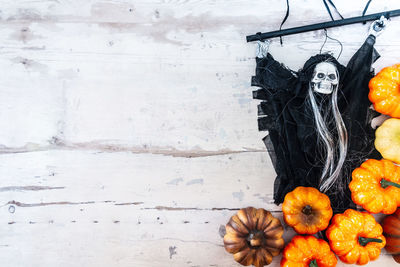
<point>320,26</point>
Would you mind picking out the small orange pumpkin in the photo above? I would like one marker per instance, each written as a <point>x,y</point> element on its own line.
<point>254,236</point>
<point>307,210</point>
<point>305,251</point>
<point>355,237</point>
<point>391,230</point>
<point>385,91</point>
<point>376,186</point>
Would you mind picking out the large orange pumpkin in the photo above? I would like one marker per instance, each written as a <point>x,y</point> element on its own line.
<point>391,230</point>
<point>385,91</point>
<point>355,237</point>
<point>376,186</point>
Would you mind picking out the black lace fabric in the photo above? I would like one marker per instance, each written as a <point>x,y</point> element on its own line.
<point>292,140</point>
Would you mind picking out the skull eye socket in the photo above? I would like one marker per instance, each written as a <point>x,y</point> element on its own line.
<point>321,75</point>
<point>332,76</point>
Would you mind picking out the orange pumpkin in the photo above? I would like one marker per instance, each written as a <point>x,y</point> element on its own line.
<point>355,237</point>
<point>384,91</point>
<point>254,237</point>
<point>305,251</point>
<point>391,230</point>
<point>376,186</point>
<point>307,210</point>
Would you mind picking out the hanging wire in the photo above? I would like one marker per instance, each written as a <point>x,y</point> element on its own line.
<point>329,10</point>
<point>326,38</point>
<point>326,6</point>
<point>330,14</point>
<point>365,9</point>
<point>284,19</point>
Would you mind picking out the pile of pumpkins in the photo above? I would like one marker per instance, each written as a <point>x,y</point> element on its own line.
<point>254,236</point>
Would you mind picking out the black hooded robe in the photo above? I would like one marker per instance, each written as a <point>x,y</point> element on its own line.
<point>286,114</point>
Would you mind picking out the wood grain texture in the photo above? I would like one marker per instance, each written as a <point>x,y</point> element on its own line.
<point>129,134</point>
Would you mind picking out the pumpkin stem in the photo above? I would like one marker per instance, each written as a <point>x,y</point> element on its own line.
<point>364,240</point>
<point>307,210</point>
<point>255,238</point>
<point>386,183</point>
<point>313,263</point>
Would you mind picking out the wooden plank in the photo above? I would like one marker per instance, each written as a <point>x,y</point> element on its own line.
<point>119,208</point>
<point>139,238</point>
<point>100,73</point>
<point>152,181</point>
<point>122,209</point>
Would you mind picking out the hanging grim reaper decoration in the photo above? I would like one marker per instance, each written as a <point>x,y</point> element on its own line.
<point>318,119</point>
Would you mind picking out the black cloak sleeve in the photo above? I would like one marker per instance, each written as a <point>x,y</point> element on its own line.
<point>278,114</point>
<point>355,105</point>
<point>276,84</point>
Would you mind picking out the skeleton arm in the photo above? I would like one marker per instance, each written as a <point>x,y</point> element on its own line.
<point>262,48</point>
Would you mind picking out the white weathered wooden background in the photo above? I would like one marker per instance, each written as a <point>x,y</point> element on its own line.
<point>128,131</point>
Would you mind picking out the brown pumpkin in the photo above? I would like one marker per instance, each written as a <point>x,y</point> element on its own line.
<point>391,230</point>
<point>254,237</point>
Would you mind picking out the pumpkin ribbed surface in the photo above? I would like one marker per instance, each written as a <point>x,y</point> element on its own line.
<point>375,186</point>
<point>307,210</point>
<point>305,251</point>
<point>385,91</point>
<point>254,237</point>
<point>391,230</point>
<point>355,237</point>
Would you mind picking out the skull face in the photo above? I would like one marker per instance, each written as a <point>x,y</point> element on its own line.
<point>325,78</point>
